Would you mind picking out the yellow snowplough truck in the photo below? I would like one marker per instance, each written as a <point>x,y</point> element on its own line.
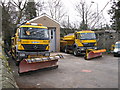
<point>30,48</point>
<point>81,42</point>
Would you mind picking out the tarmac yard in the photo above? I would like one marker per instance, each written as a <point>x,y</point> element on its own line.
<point>73,72</point>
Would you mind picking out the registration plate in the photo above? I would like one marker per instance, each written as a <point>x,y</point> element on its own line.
<point>35,42</point>
<point>88,47</point>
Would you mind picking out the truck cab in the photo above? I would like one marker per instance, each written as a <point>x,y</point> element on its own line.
<point>29,40</point>
<point>84,40</point>
<point>79,41</point>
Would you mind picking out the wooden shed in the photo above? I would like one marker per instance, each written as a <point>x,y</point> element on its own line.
<point>54,30</point>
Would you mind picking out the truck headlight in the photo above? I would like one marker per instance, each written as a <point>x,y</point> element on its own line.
<point>22,54</point>
<point>47,54</point>
<point>82,49</point>
<point>115,50</point>
<point>95,48</point>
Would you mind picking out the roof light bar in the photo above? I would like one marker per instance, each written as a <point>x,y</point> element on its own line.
<point>28,23</point>
<point>40,24</point>
<point>36,24</point>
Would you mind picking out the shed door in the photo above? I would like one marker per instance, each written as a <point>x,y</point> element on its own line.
<point>52,33</point>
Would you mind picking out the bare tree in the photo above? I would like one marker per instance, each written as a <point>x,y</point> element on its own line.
<point>40,5</point>
<point>85,13</point>
<point>6,21</point>
<point>20,6</point>
<point>69,25</point>
<point>56,9</point>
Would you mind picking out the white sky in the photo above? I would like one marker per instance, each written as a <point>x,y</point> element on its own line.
<point>70,8</point>
<point>69,4</point>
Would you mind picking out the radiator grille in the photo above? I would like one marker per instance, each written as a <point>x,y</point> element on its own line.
<point>40,47</point>
<point>88,44</point>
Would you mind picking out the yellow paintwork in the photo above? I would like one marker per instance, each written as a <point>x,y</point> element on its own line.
<point>99,51</point>
<point>17,41</point>
<point>33,26</point>
<point>48,47</point>
<point>26,41</point>
<point>88,41</point>
<point>86,31</point>
<point>78,42</point>
<point>112,47</point>
<point>70,42</point>
<point>71,39</point>
<point>62,43</point>
<point>20,47</point>
<point>96,43</point>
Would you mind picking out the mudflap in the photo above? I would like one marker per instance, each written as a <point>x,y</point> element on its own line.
<point>24,66</point>
<point>90,54</point>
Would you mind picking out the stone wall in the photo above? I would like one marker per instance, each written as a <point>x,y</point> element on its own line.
<point>6,76</point>
<point>106,39</point>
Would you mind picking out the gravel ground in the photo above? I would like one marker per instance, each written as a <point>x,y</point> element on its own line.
<point>73,72</point>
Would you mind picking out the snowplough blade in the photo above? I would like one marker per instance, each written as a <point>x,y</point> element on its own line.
<point>38,63</point>
<point>91,53</point>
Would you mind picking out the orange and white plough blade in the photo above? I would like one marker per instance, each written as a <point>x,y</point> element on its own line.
<point>32,64</point>
<point>94,53</point>
<point>24,66</point>
<point>99,51</point>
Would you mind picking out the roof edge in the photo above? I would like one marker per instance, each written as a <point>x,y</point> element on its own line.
<point>43,16</point>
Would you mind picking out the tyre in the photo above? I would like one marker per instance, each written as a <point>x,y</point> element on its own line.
<point>75,52</point>
<point>85,57</point>
<point>66,50</point>
<point>17,63</point>
<point>115,55</point>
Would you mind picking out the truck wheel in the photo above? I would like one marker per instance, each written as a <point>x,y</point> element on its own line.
<point>115,55</point>
<point>85,57</point>
<point>17,63</point>
<point>65,50</point>
<point>75,52</point>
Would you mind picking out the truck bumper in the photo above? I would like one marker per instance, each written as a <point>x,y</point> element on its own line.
<point>24,54</point>
<point>82,50</point>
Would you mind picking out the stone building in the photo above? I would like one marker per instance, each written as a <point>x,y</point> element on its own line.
<point>54,30</point>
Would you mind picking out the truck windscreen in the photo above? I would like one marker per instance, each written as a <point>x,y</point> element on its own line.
<point>87,36</point>
<point>34,33</point>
